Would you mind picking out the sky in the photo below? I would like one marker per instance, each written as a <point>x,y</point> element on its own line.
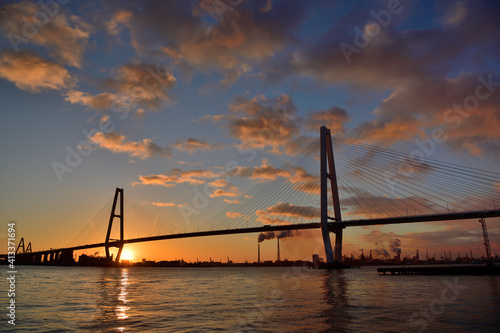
<point>160,97</point>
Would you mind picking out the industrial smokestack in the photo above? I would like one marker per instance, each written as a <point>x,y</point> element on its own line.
<point>278,249</point>
<point>258,253</point>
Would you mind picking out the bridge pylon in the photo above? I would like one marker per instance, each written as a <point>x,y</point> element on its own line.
<point>21,246</point>
<point>118,194</point>
<point>328,172</point>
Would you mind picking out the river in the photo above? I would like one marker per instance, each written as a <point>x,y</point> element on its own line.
<point>247,299</point>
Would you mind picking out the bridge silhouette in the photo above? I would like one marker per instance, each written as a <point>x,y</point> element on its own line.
<point>367,184</point>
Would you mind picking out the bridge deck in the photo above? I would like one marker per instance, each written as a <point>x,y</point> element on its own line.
<point>312,225</point>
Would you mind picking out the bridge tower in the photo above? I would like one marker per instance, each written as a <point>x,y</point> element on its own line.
<point>328,172</point>
<point>118,193</point>
<point>21,245</point>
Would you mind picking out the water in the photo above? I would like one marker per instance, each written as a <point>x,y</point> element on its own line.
<point>98,299</point>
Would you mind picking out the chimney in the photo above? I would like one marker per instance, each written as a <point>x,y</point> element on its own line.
<point>278,249</point>
<point>258,253</point>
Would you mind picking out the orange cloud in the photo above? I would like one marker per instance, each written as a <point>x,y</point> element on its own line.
<point>219,183</point>
<point>30,72</point>
<point>117,143</point>
<point>235,201</point>
<point>231,192</point>
<point>263,172</point>
<point>101,101</point>
<point>234,215</point>
<point>167,204</point>
<point>268,220</point>
<point>118,21</point>
<point>263,123</point>
<point>177,176</point>
<point>305,182</point>
<point>333,118</point>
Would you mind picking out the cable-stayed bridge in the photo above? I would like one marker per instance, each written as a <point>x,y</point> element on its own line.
<point>358,186</point>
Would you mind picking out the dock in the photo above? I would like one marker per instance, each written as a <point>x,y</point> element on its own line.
<point>441,270</point>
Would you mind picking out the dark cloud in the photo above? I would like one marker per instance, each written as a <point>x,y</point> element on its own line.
<point>192,145</point>
<point>63,34</point>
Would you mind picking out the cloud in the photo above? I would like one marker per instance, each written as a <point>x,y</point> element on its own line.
<point>189,163</point>
<point>65,35</point>
<point>177,176</point>
<point>234,215</point>
<point>447,105</point>
<point>30,72</point>
<point>263,123</point>
<point>273,124</point>
<point>143,83</point>
<point>333,118</point>
<point>290,210</point>
<point>455,15</point>
<point>263,172</point>
<point>235,201</point>
<point>200,39</point>
<point>117,143</point>
<point>132,85</point>
<point>102,101</point>
<point>305,182</point>
<point>299,177</point>
<point>223,188</point>
<point>268,220</point>
<point>394,55</point>
<point>167,204</point>
<point>219,183</point>
<point>191,145</point>
<point>215,182</point>
<point>231,192</point>
<point>119,20</point>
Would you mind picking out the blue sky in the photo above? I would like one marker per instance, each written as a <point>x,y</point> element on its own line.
<point>182,87</point>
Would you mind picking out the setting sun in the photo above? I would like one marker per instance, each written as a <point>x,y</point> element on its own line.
<point>127,255</point>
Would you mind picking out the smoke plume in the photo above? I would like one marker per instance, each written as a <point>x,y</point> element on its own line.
<point>381,252</point>
<point>266,235</point>
<point>395,246</point>
<point>270,235</point>
<point>285,233</point>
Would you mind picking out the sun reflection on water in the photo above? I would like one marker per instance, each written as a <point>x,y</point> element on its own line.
<point>121,307</point>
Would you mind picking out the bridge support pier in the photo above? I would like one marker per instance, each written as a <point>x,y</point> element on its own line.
<point>338,245</point>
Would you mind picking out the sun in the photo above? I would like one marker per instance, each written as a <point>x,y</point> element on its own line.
<point>127,255</point>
